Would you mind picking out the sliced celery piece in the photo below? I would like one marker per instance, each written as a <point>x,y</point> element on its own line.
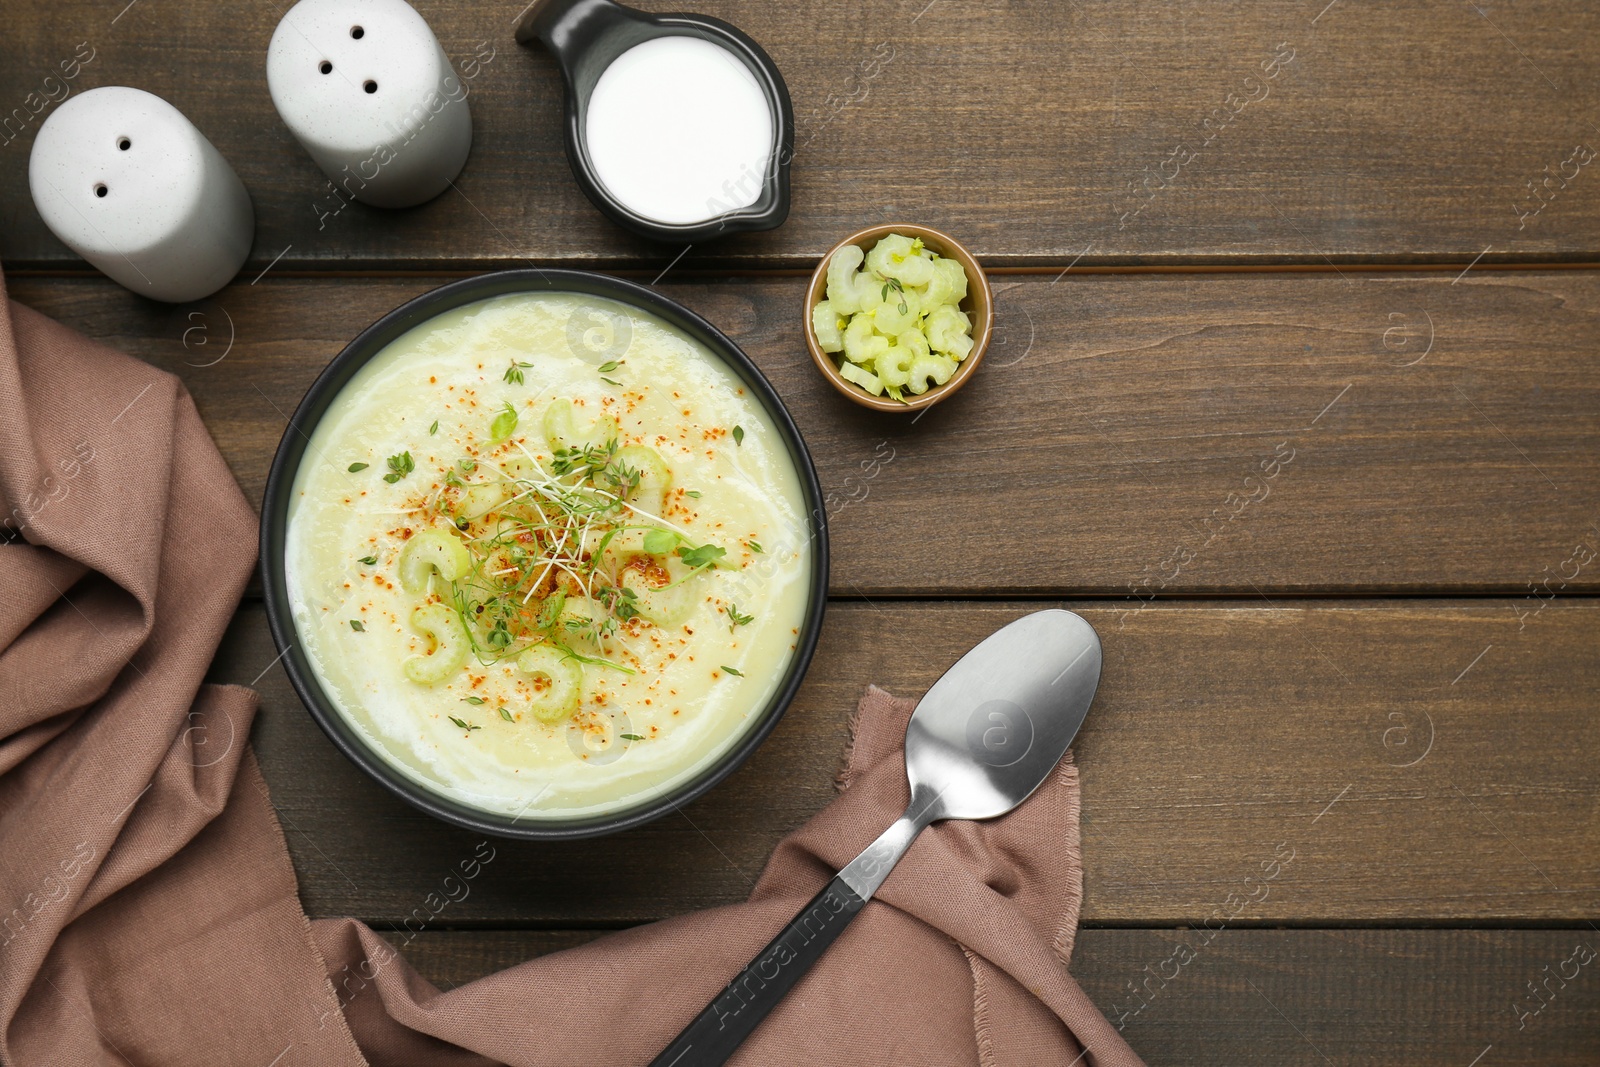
<point>915,341</point>
<point>949,332</point>
<point>842,288</point>
<point>655,477</point>
<point>429,551</point>
<point>934,370</point>
<point>580,625</point>
<point>869,290</point>
<point>861,342</point>
<point>893,365</point>
<point>563,676</point>
<point>828,326</point>
<point>888,318</point>
<point>450,645</point>
<point>482,498</point>
<point>670,604</point>
<point>902,258</point>
<point>560,430</point>
<point>947,286</point>
<point>862,377</point>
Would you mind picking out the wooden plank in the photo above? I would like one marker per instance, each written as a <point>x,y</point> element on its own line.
<point>1409,761</point>
<point>1284,998</point>
<point>1038,132</point>
<point>1442,436</point>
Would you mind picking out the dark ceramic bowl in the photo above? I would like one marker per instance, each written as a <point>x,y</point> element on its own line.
<point>586,36</point>
<point>275,515</point>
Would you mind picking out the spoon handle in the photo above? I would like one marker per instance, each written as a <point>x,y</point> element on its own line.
<point>736,1012</point>
<point>751,996</point>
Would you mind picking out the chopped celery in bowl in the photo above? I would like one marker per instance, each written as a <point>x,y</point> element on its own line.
<point>898,316</point>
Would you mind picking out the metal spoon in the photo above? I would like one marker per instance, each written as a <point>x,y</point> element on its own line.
<point>987,734</point>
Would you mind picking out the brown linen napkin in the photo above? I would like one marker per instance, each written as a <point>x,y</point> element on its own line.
<point>961,958</point>
<point>148,911</point>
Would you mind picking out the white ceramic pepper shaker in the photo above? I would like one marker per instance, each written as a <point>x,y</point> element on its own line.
<point>367,91</point>
<point>128,183</point>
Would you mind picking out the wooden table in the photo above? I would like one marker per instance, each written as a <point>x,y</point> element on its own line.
<point>1296,397</point>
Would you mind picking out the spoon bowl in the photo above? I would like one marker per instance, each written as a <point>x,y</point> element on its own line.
<point>992,729</point>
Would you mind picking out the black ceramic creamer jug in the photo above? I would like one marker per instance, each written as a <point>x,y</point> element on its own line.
<point>587,37</point>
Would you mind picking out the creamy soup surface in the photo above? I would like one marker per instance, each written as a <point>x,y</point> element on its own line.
<point>573,569</point>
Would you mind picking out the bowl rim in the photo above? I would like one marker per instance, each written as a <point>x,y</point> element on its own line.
<point>982,331</point>
<point>296,442</point>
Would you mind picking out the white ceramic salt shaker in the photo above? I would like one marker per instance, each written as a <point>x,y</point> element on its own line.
<point>365,88</point>
<point>128,183</point>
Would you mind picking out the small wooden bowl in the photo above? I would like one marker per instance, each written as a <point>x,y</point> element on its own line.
<point>978,304</point>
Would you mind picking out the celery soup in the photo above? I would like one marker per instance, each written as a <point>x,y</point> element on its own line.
<point>548,556</point>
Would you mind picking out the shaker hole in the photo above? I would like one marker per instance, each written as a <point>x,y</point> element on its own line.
<point>370,86</point>
<point>325,67</point>
<point>100,189</point>
<point>124,144</point>
<point>357,32</point>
